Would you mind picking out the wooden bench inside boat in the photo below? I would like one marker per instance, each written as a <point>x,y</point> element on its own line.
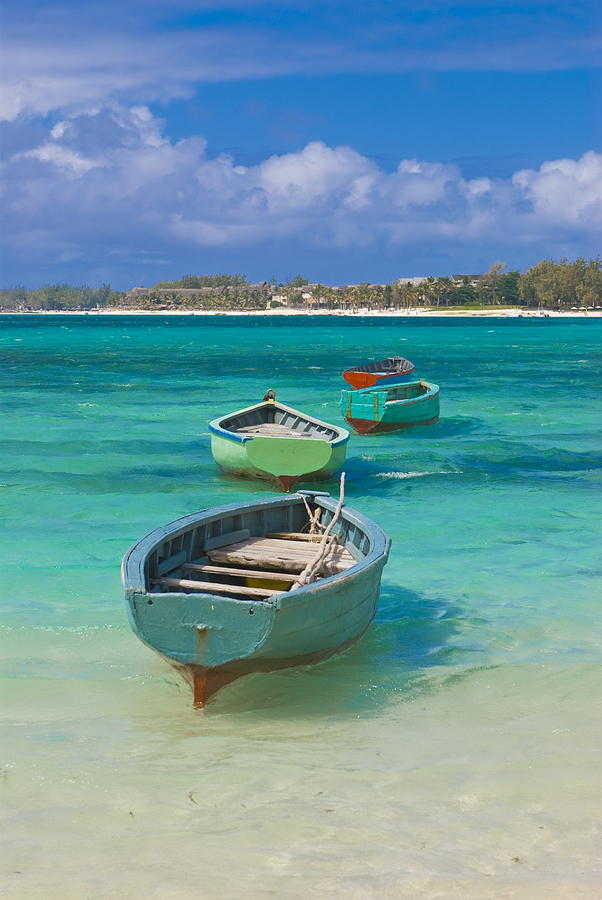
<point>277,558</point>
<point>272,429</point>
<point>287,555</point>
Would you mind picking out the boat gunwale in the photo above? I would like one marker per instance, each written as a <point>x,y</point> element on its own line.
<point>365,367</point>
<point>134,582</point>
<point>215,425</point>
<point>433,391</point>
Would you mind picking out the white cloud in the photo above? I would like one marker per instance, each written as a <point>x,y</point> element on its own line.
<point>70,162</point>
<point>312,177</point>
<point>66,56</point>
<point>110,178</point>
<point>565,191</point>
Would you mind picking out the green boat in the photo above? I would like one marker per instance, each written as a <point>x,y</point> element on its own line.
<point>254,587</point>
<point>377,410</point>
<point>277,443</point>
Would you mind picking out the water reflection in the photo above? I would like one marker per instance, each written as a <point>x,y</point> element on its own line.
<point>388,664</point>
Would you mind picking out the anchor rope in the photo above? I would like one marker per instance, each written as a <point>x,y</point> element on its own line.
<point>313,518</point>
<point>325,544</point>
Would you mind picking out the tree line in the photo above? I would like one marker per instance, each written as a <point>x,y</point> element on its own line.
<point>204,281</point>
<point>547,285</point>
<point>59,296</point>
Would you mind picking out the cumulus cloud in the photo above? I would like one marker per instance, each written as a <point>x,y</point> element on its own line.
<point>110,178</point>
<point>565,192</point>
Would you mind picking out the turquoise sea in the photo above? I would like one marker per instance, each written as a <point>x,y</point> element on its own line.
<point>452,753</point>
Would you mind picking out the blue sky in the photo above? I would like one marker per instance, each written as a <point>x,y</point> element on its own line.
<point>348,141</point>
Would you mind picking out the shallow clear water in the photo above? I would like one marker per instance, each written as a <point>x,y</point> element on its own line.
<point>453,752</point>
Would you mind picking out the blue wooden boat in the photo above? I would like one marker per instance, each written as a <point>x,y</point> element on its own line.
<point>373,411</point>
<point>217,593</point>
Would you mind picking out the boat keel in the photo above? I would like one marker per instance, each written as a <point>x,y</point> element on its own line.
<point>286,482</point>
<point>206,682</point>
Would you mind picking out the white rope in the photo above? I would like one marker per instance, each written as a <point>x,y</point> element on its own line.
<point>313,518</point>
<point>325,544</point>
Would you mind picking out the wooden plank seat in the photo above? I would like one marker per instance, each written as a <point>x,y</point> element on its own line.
<point>271,429</point>
<point>296,536</point>
<point>239,573</point>
<point>282,555</point>
<point>211,587</point>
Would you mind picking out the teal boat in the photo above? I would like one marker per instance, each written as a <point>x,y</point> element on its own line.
<point>229,591</point>
<point>277,443</point>
<point>377,410</point>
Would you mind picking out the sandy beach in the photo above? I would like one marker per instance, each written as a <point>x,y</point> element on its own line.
<point>510,312</point>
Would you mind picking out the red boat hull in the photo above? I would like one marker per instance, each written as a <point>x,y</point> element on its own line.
<point>370,426</point>
<point>359,380</point>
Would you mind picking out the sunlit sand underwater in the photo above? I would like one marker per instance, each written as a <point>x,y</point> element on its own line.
<point>452,753</point>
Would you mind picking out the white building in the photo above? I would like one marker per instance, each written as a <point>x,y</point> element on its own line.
<point>414,279</point>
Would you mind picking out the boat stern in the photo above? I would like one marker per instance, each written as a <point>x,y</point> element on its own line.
<point>363,411</point>
<point>198,629</point>
<point>281,460</point>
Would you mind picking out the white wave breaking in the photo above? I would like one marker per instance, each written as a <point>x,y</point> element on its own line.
<point>411,474</point>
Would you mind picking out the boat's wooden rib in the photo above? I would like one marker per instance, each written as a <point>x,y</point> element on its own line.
<point>222,540</point>
<point>210,587</point>
<point>239,572</point>
<point>168,565</point>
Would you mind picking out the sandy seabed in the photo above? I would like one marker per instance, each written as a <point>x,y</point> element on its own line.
<point>451,754</point>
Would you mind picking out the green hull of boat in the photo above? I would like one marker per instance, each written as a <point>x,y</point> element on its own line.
<point>276,459</point>
<point>281,460</point>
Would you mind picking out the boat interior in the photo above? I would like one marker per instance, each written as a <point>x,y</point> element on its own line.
<point>272,420</point>
<point>391,365</point>
<point>253,555</point>
<point>408,391</point>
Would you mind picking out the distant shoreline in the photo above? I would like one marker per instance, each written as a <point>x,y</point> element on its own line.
<point>510,312</point>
